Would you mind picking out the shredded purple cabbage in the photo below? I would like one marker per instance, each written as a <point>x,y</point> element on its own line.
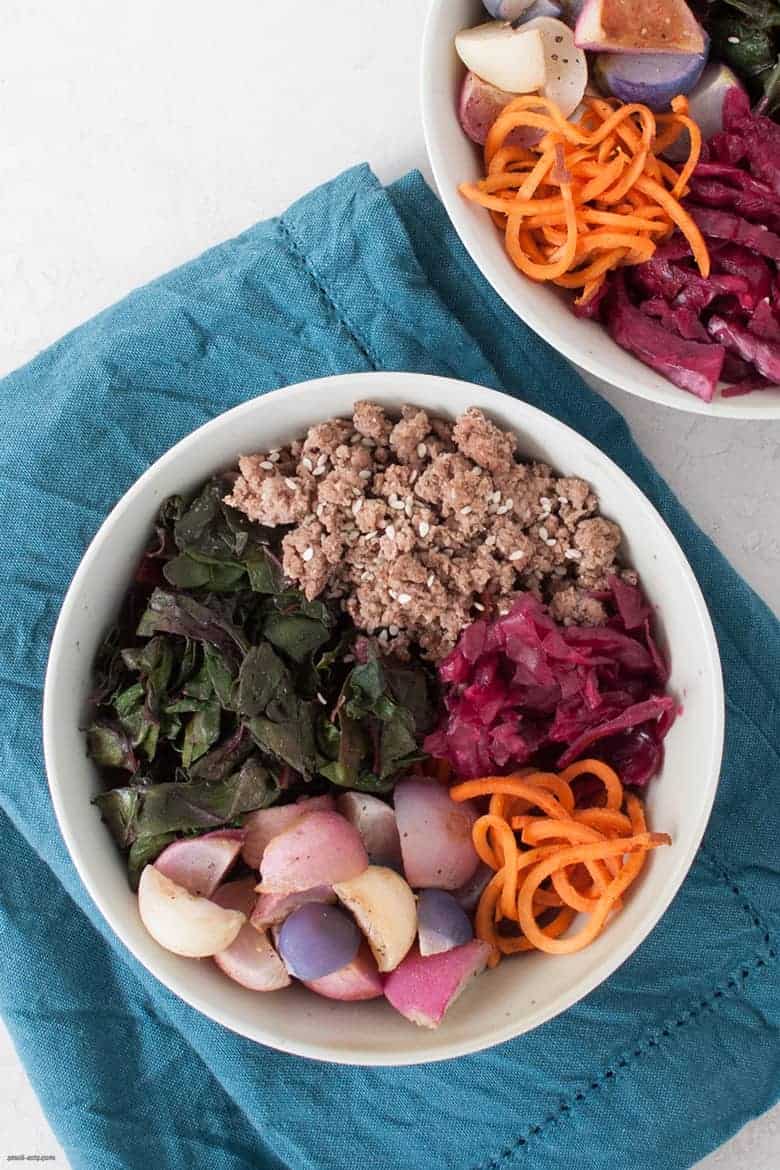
<point>522,684</point>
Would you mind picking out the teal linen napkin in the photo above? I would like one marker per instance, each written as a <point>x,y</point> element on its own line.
<point>656,1067</point>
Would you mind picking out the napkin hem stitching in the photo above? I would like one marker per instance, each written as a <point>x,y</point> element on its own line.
<point>735,983</point>
<point>301,256</point>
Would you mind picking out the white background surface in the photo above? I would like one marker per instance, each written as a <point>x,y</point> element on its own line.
<point>134,135</point>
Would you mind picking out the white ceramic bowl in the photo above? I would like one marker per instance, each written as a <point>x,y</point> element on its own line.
<point>454,160</point>
<point>520,994</point>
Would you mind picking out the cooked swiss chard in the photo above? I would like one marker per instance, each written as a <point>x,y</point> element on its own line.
<point>222,689</point>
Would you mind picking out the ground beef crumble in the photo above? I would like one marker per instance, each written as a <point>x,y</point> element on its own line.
<point>418,525</point>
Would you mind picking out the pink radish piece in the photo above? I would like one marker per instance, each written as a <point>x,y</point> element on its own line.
<point>261,826</point>
<point>422,989</point>
<point>360,979</point>
<point>182,923</point>
<point>250,959</point>
<point>616,26</point>
<point>200,863</point>
<point>385,910</point>
<point>479,105</point>
<point>320,849</point>
<point>271,909</point>
<point>375,821</point>
<point>435,835</point>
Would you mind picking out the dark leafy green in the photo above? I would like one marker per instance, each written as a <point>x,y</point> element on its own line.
<point>222,687</point>
<point>746,35</point>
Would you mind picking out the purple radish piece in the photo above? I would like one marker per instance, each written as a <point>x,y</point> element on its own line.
<point>649,78</point>
<point>317,940</point>
<point>441,923</point>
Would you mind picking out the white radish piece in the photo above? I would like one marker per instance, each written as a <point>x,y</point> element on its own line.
<point>271,909</point>
<point>565,67</point>
<point>200,863</point>
<point>422,989</point>
<point>375,821</point>
<point>359,980</point>
<point>511,59</point>
<point>261,826</point>
<point>435,834</point>
<point>180,921</point>
<point>320,849</point>
<point>442,924</point>
<point>385,910</point>
<point>250,959</point>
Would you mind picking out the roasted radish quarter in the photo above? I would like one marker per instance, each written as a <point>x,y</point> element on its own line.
<point>360,979</point>
<point>200,863</point>
<point>260,827</point>
<point>442,924</point>
<point>665,26</point>
<point>505,57</point>
<point>422,989</point>
<point>651,78</point>
<point>322,848</point>
<point>435,835</point>
<point>250,959</point>
<point>317,940</point>
<point>181,922</point>
<point>271,909</point>
<point>375,821</point>
<point>384,909</point>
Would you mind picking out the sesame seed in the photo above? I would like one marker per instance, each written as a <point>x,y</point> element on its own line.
<point>563,501</point>
<point>550,542</point>
<point>502,511</point>
<point>364,474</point>
<point>545,502</point>
<point>396,504</point>
<point>358,504</point>
<point>733,40</point>
<point>319,470</point>
<point>496,497</point>
<point>573,554</point>
<point>291,484</point>
<point>322,458</point>
<point>404,598</point>
<point>320,509</point>
<point>383,635</point>
<point>393,594</point>
<point>479,607</point>
<point>390,532</point>
<point>509,505</point>
<point>517,555</point>
<point>543,533</point>
<point>424,528</point>
<point>490,540</point>
<point>267,465</point>
<point>307,463</point>
<point>465,511</point>
<point>422,450</point>
<point>308,553</point>
<point>369,535</point>
<point>415,473</point>
<point>393,631</point>
<point>321,699</point>
<point>274,455</point>
<point>366,442</point>
<point>366,576</point>
<point>431,579</point>
<point>354,438</point>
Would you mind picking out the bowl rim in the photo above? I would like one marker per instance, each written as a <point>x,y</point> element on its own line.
<point>506,285</point>
<point>396,382</point>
